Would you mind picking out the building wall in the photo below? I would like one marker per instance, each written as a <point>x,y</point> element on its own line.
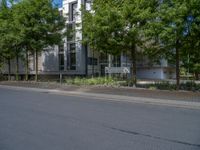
<point>150,73</point>
<point>13,67</point>
<point>49,60</point>
<point>80,51</point>
<point>156,73</point>
<point>169,73</point>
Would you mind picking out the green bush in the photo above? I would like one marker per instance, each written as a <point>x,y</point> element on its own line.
<point>69,81</point>
<point>165,86</point>
<point>77,81</point>
<point>92,81</point>
<point>3,78</point>
<point>110,81</point>
<point>190,86</point>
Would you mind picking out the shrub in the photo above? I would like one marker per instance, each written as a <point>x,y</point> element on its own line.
<point>110,81</point>
<point>165,86</point>
<point>92,81</point>
<point>190,86</point>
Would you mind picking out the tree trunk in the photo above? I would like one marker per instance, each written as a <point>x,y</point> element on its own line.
<point>93,62</point>
<point>9,69</point>
<point>27,66</point>
<point>177,66</point>
<point>196,74</point>
<point>133,57</point>
<point>17,68</point>
<point>86,60</point>
<point>36,65</point>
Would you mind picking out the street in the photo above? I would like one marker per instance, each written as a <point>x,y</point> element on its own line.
<point>31,120</point>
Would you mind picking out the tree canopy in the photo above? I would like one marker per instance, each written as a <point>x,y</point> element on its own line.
<point>117,26</point>
<point>172,28</point>
<point>30,25</point>
<point>164,29</point>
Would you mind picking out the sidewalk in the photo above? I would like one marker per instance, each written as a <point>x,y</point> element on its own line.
<point>116,94</point>
<point>187,96</point>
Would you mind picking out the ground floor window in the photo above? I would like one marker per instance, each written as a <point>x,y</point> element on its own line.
<point>61,62</point>
<point>116,61</point>
<point>103,58</point>
<point>92,61</point>
<point>71,56</point>
<point>61,57</point>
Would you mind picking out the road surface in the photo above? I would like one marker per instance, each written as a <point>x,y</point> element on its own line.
<point>31,120</point>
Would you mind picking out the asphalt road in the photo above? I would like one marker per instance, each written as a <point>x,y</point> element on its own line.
<point>43,121</point>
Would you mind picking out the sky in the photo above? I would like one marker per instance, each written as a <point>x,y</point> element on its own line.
<point>59,2</point>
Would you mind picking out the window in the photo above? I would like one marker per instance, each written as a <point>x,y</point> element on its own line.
<point>72,11</point>
<point>103,58</point>
<point>88,4</point>
<point>61,62</point>
<point>74,7</point>
<point>61,57</point>
<point>92,61</point>
<point>61,12</point>
<point>70,32</point>
<point>61,48</point>
<point>116,61</point>
<point>71,57</point>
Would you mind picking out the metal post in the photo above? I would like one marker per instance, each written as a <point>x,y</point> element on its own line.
<point>109,63</point>
<point>60,78</point>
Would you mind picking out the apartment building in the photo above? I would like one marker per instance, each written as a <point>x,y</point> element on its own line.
<point>86,61</point>
<point>73,58</point>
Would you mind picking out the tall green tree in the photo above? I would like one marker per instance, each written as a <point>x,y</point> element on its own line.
<point>168,31</point>
<point>191,51</point>
<point>16,37</point>
<point>41,26</point>
<point>136,14</point>
<point>117,26</point>
<point>11,39</point>
<point>28,26</point>
<point>101,29</point>
<point>6,35</point>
